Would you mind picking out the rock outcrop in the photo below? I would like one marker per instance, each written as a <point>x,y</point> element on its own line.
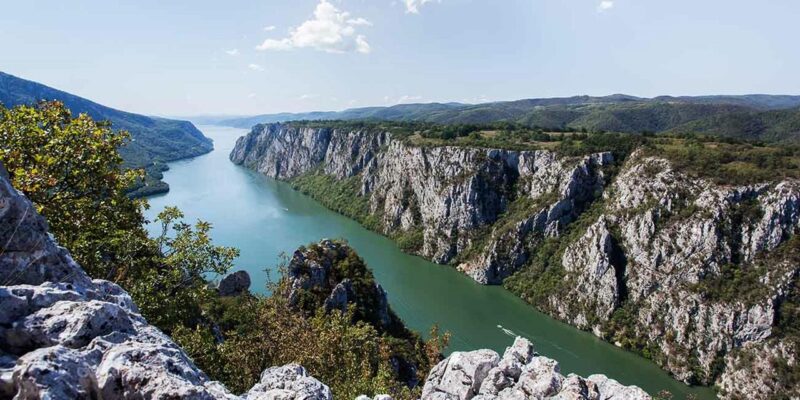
<point>520,373</point>
<point>314,272</point>
<point>66,336</point>
<point>234,284</point>
<point>689,272</point>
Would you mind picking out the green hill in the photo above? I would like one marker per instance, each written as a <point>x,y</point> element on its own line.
<point>154,141</point>
<point>766,126</point>
<point>762,117</point>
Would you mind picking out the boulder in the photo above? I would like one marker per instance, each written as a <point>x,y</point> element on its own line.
<point>288,382</point>
<point>234,284</point>
<point>520,374</point>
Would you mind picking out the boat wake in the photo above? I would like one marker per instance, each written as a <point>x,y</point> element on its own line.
<point>508,332</point>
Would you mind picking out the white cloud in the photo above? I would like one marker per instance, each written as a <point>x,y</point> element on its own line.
<point>412,6</point>
<point>232,52</point>
<point>251,95</point>
<point>255,67</point>
<point>605,5</point>
<point>476,100</point>
<point>330,30</point>
<point>402,99</point>
<point>269,28</point>
<point>308,96</point>
<point>408,99</point>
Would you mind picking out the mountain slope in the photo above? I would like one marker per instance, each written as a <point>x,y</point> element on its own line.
<point>154,140</point>
<point>407,112</point>
<point>767,126</point>
<point>616,113</point>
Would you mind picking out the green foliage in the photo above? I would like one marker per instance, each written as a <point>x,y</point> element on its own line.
<point>541,278</point>
<point>728,163</point>
<point>734,283</point>
<point>170,293</point>
<point>261,332</point>
<point>151,183</point>
<point>768,126</point>
<point>269,333</point>
<point>70,168</point>
<point>411,241</point>
<point>340,196</point>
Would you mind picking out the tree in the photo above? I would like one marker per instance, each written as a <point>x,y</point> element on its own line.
<point>71,170</point>
<point>171,293</point>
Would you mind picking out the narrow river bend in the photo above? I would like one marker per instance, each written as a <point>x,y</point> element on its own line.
<point>264,218</point>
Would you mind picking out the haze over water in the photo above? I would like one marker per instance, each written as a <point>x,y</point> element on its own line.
<point>265,218</point>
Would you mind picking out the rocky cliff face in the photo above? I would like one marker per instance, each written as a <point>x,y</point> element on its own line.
<point>703,268</point>
<point>691,273</point>
<point>66,336</point>
<point>449,193</point>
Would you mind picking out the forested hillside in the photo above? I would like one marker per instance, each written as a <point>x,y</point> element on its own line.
<point>154,141</point>
<point>758,117</point>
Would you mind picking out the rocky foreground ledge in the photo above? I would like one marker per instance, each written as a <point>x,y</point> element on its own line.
<point>66,336</point>
<point>520,374</point>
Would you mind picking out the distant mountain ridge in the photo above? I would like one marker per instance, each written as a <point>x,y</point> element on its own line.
<point>618,113</point>
<point>154,140</point>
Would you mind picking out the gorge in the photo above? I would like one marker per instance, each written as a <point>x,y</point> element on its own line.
<point>265,217</point>
<point>692,273</point>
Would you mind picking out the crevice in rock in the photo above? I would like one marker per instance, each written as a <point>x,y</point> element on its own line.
<point>619,261</point>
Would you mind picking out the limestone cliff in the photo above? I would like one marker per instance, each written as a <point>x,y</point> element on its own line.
<point>690,273</point>
<point>450,193</point>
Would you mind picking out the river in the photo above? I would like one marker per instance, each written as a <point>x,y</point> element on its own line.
<point>265,218</point>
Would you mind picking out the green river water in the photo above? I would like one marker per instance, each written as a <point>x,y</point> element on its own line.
<point>264,218</point>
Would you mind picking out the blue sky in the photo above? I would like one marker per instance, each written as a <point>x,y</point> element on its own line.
<point>184,57</point>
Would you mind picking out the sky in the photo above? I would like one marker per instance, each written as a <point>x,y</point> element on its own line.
<point>242,57</point>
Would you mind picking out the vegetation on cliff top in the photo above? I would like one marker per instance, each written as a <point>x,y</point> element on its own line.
<point>721,160</point>
<point>754,117</point>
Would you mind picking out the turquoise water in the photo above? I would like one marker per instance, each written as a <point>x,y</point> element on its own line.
<point>265,218</point>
